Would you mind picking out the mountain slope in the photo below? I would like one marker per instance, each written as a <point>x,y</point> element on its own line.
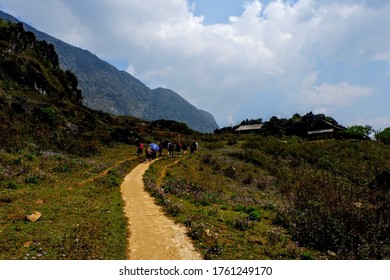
<point>161,108</point>
<point>41,104</point>
<point>107,89</point>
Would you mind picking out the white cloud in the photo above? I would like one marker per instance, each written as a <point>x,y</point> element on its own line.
<point>269,51</point>
<point>131,70</point>
<point>379,123</point>
<point>325,110</point>
<point>384,57</point>
<point>326,94</point>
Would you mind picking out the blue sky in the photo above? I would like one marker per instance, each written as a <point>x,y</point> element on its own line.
<point>217,11</point>
<point>239,59</point>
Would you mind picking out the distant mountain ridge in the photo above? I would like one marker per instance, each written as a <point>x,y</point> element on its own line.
<point>110,90</point>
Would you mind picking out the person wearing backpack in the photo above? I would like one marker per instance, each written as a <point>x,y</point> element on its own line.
<point>194,147</point>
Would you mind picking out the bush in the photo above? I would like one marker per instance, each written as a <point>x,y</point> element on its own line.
<point>196,227</point>
<point>357,132</point>
<point>13,186</point>
<point>383,136</point>
<point>243,223</point>
<point>329,215</point>
<point>254,215</point>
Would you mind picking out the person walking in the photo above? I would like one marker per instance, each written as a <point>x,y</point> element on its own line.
<point>185,148</point>
<point>140,149</point>
<point>193,147</point>
<point>171,148</point>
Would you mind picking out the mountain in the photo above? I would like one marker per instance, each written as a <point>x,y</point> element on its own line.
<point>110,90</point>
<point>41,104</point>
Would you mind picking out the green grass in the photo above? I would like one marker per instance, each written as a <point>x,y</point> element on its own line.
<point>262,198</point>
<point>228,215</point>
<point>82,210</point>
<point>250,197</point>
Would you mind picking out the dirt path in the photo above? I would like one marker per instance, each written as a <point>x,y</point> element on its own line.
<point>152,235</point>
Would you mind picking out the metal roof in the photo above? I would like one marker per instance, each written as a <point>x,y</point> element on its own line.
<point>249,127</point>
<point>320,131</point>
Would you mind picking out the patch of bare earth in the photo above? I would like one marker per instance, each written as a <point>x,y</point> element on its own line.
<point>152,235</point>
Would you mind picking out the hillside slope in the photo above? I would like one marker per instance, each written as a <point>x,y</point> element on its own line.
<point>41,104</point>
<point>107,89</point>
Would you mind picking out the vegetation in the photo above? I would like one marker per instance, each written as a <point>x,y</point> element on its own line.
<point>271,195</point>
<point>383,136</point>
<point>358,132</point>
<point>59,158</point>
<point>263,198</point>
<point>297,125</point>
<point>81,208</point>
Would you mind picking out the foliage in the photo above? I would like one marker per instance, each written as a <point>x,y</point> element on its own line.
<point>358,132</point>
<point>383,136</point>
<point>297,125</point>
<point>267,198</point>
<point>170,125</point>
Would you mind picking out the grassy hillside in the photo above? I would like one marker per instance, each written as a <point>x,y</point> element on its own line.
<point>256,197</point>
<point>78,198</point>
<point>41,104</point>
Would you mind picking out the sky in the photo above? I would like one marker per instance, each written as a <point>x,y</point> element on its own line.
<point>239,59</point>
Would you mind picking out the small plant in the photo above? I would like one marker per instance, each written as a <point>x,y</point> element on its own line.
<point>13,186</point>
<point>30,157</point>
<point>173,209</point>
<point>32,180</point>
<point>196,229</point>
<point>17,161</point>
<point>213,251</point>
<point>254,215</point>
<point>307,256</point>
<point>62,168</point>
<point>243,223</point>
<point>5,198</point>
<point>112,181</point>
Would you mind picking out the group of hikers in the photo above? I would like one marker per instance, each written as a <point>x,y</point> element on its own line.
<point>172,147</point>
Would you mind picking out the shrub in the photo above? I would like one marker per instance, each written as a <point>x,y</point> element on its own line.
<point>113,181</point>
<point>13,186</point>
<point>196,227</point>
<point>51,115</point>
<point>172,209</point>
<point>254,215</point>
<point>32,180</point>
<point>332,215</point>
<point>383,136</point>
<point>243,223</point>
<point>214,250</point>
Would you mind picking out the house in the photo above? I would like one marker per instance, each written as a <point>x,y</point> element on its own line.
<point>249,128</point>
<point>324,130</point>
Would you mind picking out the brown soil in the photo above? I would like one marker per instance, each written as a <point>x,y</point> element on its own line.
<point>152,236</point>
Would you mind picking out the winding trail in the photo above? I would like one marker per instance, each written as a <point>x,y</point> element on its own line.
<point>152,236</point>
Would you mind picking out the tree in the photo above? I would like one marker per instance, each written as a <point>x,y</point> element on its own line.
<point>357,132</point>
<point>383,136</point>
